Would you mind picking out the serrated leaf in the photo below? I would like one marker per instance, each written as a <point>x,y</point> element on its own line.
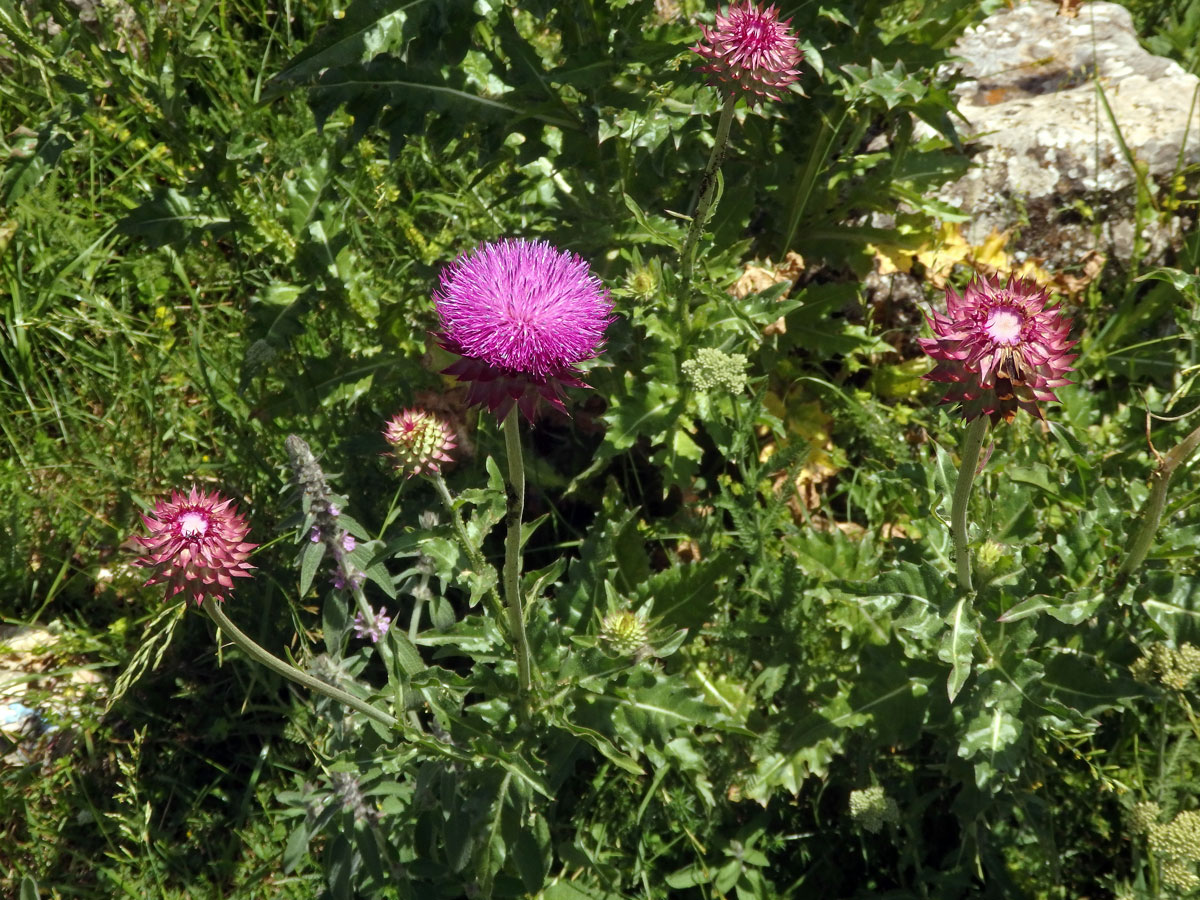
<point>684,595</point>
<point>606,747</point>
<point>532,853</point>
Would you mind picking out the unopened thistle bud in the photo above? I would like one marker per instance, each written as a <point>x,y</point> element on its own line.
<point>625,632</point>
<point>420,441</point>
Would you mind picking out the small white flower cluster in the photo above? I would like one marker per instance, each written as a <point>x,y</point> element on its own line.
<point>871,808</point>
<point>1174,668</point>
<point>1176,843</point>
<point>713,369</point>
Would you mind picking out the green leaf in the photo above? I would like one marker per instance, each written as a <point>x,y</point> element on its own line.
<point>958,645</point>
<point>655,232</point>
<point>643,409</point>
<point>310,561</point>
<point>601,743</point>
<point>532,853</point>
<point>296,848</point>
<point>684,595</point>
<point>369,28</point>
<point>1072,609</point>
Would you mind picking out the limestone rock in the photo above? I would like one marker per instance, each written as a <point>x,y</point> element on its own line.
<point>1047,159</point>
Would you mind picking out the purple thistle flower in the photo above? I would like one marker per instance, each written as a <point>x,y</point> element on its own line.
<point>750,52</point>
<point>196,545</point>
<point>999,348</point>
<point>522,315</point>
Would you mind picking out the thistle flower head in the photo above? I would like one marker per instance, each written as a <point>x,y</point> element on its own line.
<point>196,545</point>
<point>999,348</point>
<point>522,314</point>
<point>750,52</point>
<point>420,441</point>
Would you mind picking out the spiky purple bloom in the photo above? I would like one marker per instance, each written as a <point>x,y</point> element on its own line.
<point>420,441</point>
<point>196,545</point>
<point>751,52</point>
<point>375,632</point>
<point>999,348</point>
<point>522,315</point>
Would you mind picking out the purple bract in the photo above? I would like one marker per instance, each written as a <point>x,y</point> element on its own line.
<point>750,52</point>
<point>196,545</point>
<point>999,348</point>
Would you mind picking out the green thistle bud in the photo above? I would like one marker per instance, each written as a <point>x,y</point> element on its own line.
<point>713,369</point>
<point>643,282</point>
<point>995,559</point>
<point>871,809</point>
<point>625,632</point>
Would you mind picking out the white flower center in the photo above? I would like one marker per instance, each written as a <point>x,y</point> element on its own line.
<point>1004,326</point>
<point>193,524</point>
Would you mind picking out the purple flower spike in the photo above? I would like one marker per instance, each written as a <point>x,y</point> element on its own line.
<point>522,315</point>
<point>373,633</point>
<point>1000,348</point>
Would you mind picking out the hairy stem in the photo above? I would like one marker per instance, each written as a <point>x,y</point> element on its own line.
<point>708,185</point>
<point>968,462</point>
<point>512,548</point>
<point>277,665</point>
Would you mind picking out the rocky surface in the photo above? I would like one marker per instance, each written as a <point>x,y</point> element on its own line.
<point>1048,162</point>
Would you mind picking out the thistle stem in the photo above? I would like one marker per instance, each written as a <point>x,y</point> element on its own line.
<point>708,185</point>
<point>277,665</point>
<point>968,462</point>
<point>512,549</point>
<point>1156,503</point>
